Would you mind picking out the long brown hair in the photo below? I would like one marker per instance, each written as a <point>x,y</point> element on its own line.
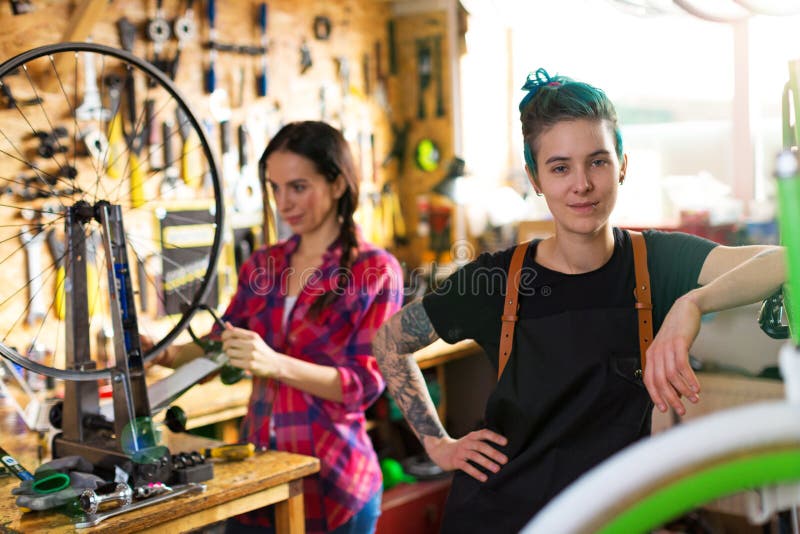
<point>325,146</point>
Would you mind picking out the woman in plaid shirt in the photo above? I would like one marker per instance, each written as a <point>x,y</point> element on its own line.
<point>302,322</point>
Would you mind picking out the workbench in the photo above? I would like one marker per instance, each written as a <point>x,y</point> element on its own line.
<point>271,477</point>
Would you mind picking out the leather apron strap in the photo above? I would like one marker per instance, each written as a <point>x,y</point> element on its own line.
<point>644,304</point>
<point>642,294</point>
<point>510,308</point>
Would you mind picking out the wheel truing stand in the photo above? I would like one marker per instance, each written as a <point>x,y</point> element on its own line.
<point>131,441</point>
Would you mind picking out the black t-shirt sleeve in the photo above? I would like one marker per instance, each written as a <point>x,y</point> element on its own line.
<point>674,260</point>
<point>468,304</point>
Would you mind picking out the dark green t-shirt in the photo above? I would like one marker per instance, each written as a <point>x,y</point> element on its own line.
<point>469,304</point>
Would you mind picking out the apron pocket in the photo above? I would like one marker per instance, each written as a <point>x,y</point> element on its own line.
<point>628,367</point>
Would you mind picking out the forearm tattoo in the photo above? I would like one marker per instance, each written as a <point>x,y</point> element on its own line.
<point>406,332</point>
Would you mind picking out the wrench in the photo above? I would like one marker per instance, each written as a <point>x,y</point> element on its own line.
<point>92,105</point>
<point>33,251</point>
<point>93,519</point>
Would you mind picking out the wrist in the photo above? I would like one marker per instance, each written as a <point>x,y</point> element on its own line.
<point>695,298</point>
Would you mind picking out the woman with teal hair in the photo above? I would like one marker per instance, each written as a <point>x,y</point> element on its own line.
<point>573,388</point>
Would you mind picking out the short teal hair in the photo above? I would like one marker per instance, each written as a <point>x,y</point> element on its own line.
<point>554,99</point>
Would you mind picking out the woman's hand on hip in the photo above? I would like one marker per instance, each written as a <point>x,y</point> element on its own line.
<point>248,350</point>
<point>668,375</point>
<point>465,453</point>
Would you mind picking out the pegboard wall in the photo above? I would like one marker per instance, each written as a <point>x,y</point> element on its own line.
<point>354,63</point>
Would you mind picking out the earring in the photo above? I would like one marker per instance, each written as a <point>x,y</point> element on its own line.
<point>538,193</point>
<point>621,178</point>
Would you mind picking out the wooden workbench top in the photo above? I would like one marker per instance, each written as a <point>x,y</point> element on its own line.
<point>232,481</point>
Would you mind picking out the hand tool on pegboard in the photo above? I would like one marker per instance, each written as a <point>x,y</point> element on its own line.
<point>424,68</point>
<point>169,181</point>
<point>57,249</point>
<point>115,144</point>
<point>211,73</point>
<point>185,29</point>
<point>20,7</point>
<point>153,136</point>
<point>191,150</point>
<point>438,63</point>
<point>159,32</point>
<point>262,85</point>
<point>32,239</point>
<point>133,135</point>
<point>247,196</point>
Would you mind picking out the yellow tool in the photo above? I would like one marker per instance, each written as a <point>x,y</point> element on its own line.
<point>191,151</point>
<point>116,147</point>
<point>237,451</point>
<point>57,251</point>
<point>114,161</point>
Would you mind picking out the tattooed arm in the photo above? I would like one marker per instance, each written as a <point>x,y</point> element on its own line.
<point>393,347</point>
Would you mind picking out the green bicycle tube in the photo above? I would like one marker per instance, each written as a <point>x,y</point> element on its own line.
<point>789,226</point>
<point>743,473</point>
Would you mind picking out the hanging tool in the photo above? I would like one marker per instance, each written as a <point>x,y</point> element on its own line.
<point>424,69</point>
<point>159,31</point>
<point>399,145</point>
<point>12,102</point>
<point>381,95</point>
<point>57,252</point>
<point>305,57</point>
<point>169,181</point>
<point>247,196</point>
<point>92,107</point>
<point>135,142</point>
<point>221,111</point>
<point>211,75</point>
<point>191,150</point>
<point>437,58</point>
<point>185,29</point>
<point>20,7</point>
<point>133,138</point>
<point>115,141</point>
<point>32,242</point>
<point>261,89</point>
<point>153,135</point>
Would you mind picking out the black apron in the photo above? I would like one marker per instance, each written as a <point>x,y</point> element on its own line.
<point>571,396</point>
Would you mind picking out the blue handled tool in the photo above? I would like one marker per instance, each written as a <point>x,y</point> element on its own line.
<point>45,482</point>
<point>262,76</point>
<point>211,74</point>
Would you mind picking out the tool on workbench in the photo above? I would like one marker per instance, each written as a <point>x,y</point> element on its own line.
<point>234,452</point>
<point>14,466</point>
<point>437,65</point>
<point>105,497</point>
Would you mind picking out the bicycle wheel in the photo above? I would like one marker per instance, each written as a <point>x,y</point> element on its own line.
<point>86,123</point>
<point>660,478</point>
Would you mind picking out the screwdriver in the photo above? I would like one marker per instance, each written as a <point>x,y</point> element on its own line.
<point>237,451</point>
